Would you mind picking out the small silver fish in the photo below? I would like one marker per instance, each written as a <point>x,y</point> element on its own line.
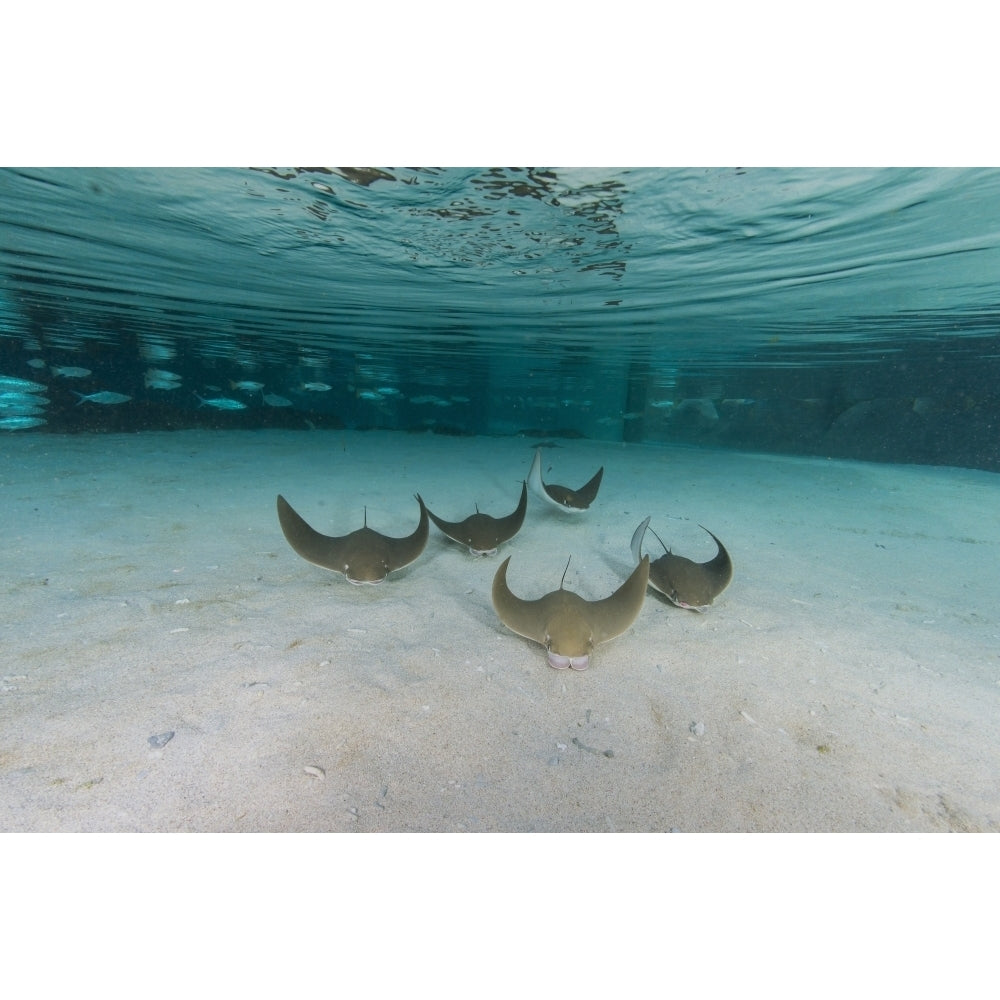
<point>36,363</point>
<point>9,382</point>
<point>221,403</point>
<point>69,371</point>
<point>368,394</point>
<point>152,349</point>
<point>22,399</point>
<point>247,386</point>
<point>162,375</point>
<point>104,398</point>
<point>161,383</point>
<point>12,409</point>
<point>316,387</point>
<point>272,400</point>
<point>20,423</point>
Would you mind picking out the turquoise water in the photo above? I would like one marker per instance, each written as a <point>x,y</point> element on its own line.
<point>844,312</point>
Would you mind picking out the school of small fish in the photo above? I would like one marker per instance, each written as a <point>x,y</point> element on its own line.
<point>21,403</point>
<point>24,402</point>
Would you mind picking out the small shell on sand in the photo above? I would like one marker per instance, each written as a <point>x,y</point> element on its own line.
<point>160,740</point>
<point>314,772</point>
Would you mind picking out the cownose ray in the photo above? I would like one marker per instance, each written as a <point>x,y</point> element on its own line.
<point>687,584</point>
<point>483,533</point>
<point>363,556</point>
<point>568,626</point>
<point>572,501</point>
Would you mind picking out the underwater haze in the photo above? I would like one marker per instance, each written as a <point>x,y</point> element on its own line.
<point>841,312</point>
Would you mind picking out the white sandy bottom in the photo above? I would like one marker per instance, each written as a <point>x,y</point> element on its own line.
<point>846,680</point>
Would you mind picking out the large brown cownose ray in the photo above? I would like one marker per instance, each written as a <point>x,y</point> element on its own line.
<point>481,532</point>
<point>568,626</point>
<point>363,556</point>
<point>687,584</point>
<point>571,501</point>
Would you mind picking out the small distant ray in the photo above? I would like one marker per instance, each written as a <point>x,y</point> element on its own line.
<point>482,533</point>
<point>573,501</point>
<point>690,585</point>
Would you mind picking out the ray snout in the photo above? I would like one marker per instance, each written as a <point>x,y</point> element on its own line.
<point>573,662</point>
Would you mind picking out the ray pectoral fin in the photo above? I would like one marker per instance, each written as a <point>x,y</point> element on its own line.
<point>322,550</point>
<point>554,495</point>
<point>507,527</point>
<point>720,568</point>
<point>637,537</point>
<point>615,614</point>
<point>526,618</point>
<point>587,494</point>
<point>535,478</point>
<point>403,551</point>
<point>451,528</point>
